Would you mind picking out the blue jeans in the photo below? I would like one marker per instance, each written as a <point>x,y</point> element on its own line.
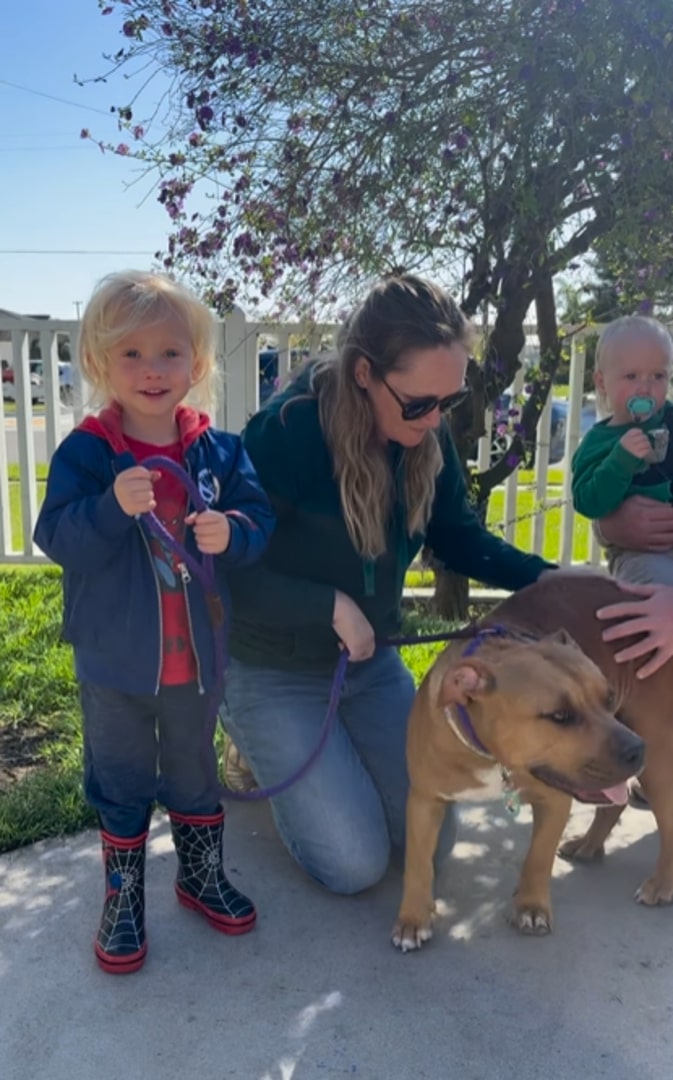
<point>342,819</point>
<point>142,748</point>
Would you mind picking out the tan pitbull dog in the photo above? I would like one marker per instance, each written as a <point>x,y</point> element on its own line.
<point>529,707</point>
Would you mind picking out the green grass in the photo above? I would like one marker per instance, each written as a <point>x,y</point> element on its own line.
<point>419,658</point>
<point>15,514</point>
<point>40,740</point>
<point>527,509</point>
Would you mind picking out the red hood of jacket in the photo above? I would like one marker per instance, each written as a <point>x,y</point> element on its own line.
<point>107,425</point>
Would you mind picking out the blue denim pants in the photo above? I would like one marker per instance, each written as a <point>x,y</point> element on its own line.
<point>342,820</point>
<point>139,749</point>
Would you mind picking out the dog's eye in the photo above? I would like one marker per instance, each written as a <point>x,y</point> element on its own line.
<point>562,717</point>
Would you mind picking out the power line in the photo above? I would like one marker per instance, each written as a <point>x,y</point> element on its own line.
<point>41,149</point>
<point>52,97</point>
<point>37,134</point>
<point>30,251</point>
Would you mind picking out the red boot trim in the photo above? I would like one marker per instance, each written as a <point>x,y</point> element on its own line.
<point>120,965</point>
<point>226,924</point>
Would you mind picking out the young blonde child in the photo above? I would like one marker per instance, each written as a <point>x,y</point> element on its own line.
<point>144,650</point>
<point>631,451</point>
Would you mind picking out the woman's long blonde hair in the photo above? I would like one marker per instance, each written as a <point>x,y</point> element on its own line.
<point>401,313</point>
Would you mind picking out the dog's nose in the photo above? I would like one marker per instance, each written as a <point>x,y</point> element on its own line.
<point>630,750</point>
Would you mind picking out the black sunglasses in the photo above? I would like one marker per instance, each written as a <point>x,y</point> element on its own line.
<point>417,407</point>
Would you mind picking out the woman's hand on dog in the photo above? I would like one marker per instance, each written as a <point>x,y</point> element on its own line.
<point>352,628</point>
<point>651,615</point>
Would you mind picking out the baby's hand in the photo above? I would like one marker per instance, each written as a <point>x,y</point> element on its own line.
<point>212,531</point>
<point>134,492</point>
<point>637,443</point>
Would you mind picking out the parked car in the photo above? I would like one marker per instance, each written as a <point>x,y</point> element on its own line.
<point>37,382</point>
<point>9,390</point>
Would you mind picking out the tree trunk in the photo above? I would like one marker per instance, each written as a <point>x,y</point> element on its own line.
<point>452,595</point>
<point>487,381</point>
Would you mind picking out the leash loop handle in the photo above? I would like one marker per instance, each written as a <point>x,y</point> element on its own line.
<point>204,569</point>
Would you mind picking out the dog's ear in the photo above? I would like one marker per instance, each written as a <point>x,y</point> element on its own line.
<point>465,681</point>
<point>563,638</point>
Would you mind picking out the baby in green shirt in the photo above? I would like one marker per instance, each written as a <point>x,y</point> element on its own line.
<point>630,452</point>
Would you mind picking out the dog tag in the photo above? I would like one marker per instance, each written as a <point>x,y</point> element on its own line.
<point>512,795</point>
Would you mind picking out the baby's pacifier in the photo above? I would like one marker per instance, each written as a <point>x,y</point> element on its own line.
<point>641,408</point>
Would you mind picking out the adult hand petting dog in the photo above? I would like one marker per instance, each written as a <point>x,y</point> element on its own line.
<point>652,616</point>
<point>639,524</point>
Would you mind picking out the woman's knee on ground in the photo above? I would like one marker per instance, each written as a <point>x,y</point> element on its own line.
<point>346,859</point>
<point>347,877</point>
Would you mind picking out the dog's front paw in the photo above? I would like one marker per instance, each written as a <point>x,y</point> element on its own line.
<point>530,918</point>
<point>655,892</point>
<point>581,849</point>
<point>409,934</point>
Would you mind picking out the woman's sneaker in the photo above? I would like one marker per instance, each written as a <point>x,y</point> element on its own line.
<point>235,769</point>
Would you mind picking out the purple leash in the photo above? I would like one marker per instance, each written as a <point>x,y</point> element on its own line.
<point>204,572</point>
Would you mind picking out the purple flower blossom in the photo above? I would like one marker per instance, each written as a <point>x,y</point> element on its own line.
<point>204,115</point>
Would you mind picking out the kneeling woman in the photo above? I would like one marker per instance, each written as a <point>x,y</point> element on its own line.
<point>361,472</point>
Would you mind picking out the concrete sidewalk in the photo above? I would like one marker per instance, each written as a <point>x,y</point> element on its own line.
<point>317,990</point>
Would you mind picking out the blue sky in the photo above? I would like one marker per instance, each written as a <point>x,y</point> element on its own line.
<point>58,192</point>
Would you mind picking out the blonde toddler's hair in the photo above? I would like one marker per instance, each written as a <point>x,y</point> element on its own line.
<point>124,301</point>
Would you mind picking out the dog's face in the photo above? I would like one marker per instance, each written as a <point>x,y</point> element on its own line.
<point>544,708</point>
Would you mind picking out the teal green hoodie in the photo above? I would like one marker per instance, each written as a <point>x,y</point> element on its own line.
<point>283,605</point>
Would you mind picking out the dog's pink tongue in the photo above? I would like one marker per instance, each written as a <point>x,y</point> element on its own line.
<point>619,794</point>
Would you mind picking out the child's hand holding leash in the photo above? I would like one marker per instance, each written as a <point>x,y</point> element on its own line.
<point>212,531</point>
<point>134,491</point>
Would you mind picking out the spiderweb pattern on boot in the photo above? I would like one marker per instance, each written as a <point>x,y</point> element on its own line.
<point>121,933</point>
<point>201,873</point>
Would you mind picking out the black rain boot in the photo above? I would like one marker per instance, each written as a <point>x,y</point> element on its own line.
<point>120,942</point>
<point>201,884</point>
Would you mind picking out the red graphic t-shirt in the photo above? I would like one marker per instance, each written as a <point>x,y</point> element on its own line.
<point>178,661</point>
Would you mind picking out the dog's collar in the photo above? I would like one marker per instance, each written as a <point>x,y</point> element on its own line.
<point>463,729</point>
<point>512,794</point>
<point>461,725</point>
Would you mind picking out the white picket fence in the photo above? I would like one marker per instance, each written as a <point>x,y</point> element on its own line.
<point>29,434</point>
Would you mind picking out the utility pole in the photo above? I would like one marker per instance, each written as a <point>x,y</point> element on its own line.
<point>78,305</point>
